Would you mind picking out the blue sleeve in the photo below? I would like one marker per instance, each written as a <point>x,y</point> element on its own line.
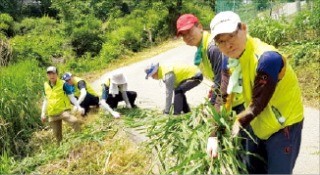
<point>105,92</point>
<point>82,84</point>
<point>215,57</point>
<point>270,63</point>
<point>225,63</point>
<point>68,89</point>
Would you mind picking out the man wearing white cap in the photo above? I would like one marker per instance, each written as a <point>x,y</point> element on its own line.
<point>209,59</point>
<point>82,90</point>
<point>114,91</point>
<point>56,105</point>
<point>178,80</point>
<point>274,110</point>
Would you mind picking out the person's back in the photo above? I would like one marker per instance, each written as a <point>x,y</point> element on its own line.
<point>82,90</point>
<point>178,80</point>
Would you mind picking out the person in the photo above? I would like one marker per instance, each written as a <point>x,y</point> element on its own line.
<point>178,79</point>
<point>115,91</point>
<point>82,90</point>
<point>56,105</point>
<point>274,109</point>
<point>209,59</point>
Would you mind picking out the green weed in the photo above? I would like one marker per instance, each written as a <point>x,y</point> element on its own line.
<point>180,142</point>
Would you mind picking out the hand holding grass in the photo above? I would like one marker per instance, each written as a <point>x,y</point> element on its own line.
<point>212,147</point>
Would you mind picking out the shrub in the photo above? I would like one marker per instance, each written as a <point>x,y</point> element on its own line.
<point>86,36</point>
<point>6,25</point>
<point>111,51</point>
<point>274,32</point>
<point>43,40</point>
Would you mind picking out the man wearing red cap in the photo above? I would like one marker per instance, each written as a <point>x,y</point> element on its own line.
<point>208,57</point>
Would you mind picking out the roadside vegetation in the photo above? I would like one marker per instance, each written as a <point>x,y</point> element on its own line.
<point>84,38</point>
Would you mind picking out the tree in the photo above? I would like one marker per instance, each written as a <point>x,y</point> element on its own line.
<point>262,4</point>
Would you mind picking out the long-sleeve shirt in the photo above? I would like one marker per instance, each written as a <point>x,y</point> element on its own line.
<point>269,67</point>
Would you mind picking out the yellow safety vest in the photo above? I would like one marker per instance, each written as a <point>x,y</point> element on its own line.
<point>206,69</point>
<point>88,87</point>
<point>57,99</point>
<point>181,72</point>
<point>205,65</point>
<point>286,98</point>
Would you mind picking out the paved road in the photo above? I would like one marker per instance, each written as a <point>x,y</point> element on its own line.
<point>286,9</point>
<point>151,94</point>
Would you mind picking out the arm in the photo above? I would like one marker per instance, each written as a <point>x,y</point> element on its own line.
<point>44,109</point>
<point>125,96</point>
<point>216,60</point>
<point>215,57</point>
<point>69,91</point>
<point>104,104</point>
<point>83,91</point>
<point>269,66</point>
<point>169,82</point>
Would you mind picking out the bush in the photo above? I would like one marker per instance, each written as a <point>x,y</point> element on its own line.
<point>21,87</point>
<point>6,25</point>
<point>86,36</point>
<point>111,51</point>
<point>274,32</point>
<point>43,40</point>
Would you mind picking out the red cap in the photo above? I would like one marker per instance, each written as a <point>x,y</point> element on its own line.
<point>186,22</point>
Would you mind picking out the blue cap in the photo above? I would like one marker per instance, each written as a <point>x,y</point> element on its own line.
<point>152,69</point>
<point>66,76</point>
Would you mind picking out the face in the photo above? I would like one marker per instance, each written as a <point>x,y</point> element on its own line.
<point>155,76</point>
<point>70,81</point>
<point>52,77</point>
<point>232,44</point>
<point>193,36</point>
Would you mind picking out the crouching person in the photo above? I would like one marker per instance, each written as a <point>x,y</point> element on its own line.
<point>178,79</point>
<point>115,91</point>
<point>82,91</point>
<point>56,105</point>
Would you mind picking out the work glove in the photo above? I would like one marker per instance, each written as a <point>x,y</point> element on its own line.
<point>212,147</point>
<point>235,128</point>
<point>78,109</point>
<point>43,117</point>
<point>115,114</point>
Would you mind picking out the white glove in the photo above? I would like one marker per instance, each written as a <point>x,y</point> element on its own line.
<point>236,128</point>
<point>115,114</point>
<point>43,117</point>
<point>81,110</point>
<point>78,109</point>
<point>212,147</point>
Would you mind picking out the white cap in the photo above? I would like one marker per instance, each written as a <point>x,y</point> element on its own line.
<point>224,22</point>
<point>52,69</point>
<point>118,78</point>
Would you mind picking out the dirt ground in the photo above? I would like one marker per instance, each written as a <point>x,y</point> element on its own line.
<point>151,94</point>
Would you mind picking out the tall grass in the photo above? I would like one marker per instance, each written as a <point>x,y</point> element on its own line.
<point>100,148</point>
<point>20,87</point>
